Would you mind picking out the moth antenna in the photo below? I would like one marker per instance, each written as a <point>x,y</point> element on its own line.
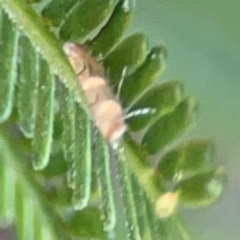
<point>137,112</point>
<point>124,74</point>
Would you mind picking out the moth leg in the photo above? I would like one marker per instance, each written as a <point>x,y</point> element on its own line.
<point>119,88</point>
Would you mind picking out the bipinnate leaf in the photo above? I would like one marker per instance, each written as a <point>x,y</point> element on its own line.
<point>131,69</point>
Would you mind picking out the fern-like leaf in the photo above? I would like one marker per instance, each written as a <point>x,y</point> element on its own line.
<point>72,193</point>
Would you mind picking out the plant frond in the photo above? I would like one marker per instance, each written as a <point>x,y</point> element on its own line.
<point>72,194</point>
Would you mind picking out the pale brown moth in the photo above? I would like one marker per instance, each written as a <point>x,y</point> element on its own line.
<point>105,108</point>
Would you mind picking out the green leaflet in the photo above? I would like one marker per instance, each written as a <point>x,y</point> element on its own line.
<point>186,160</point>
<point>162,98</point>
<point>110,34</point>
<point>27,87</point>
<point>8,64</point>
<point>79,22</point>
<point>68,115</point>
<point>81,168</point>
<point>101,158</point>
<point>76,141</point>
<point>136,83</point>
<point>129,54</point>
<point>55,11</point>
<point>43,129</point>
<point>202,189</point>
<point>170,126</point>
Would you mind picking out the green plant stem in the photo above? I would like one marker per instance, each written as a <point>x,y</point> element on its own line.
<point>143,172</point>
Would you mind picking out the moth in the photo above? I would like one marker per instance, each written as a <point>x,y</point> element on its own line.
<point>105,108</point>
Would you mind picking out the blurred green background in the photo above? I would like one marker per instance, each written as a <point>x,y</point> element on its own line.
<point>203,42</point>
